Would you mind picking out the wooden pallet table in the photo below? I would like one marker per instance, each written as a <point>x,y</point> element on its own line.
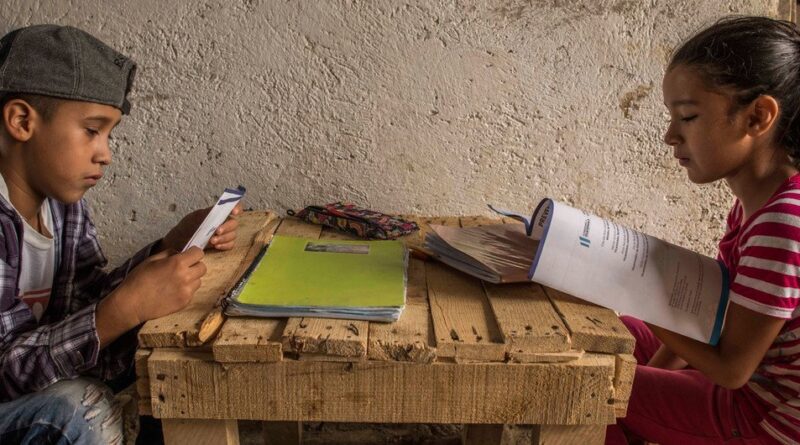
<point>463,352</point>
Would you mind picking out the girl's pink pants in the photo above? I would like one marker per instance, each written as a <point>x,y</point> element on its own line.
<point>683,407</point>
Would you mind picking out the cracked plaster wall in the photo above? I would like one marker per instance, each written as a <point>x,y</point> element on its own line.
<point>414,107</point>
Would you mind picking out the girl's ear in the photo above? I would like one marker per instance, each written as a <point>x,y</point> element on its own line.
<point>18,119</point>
<point>762,115</point>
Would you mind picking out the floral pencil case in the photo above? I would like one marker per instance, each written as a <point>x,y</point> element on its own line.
<point>356,221</point>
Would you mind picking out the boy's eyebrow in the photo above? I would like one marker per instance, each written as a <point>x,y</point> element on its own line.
<point>103,119</point>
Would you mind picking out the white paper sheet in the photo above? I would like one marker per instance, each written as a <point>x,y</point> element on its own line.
<point>636,274</point>
<point>218,214</point>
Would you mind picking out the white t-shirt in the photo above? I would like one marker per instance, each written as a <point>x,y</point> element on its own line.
<point>37,261</point>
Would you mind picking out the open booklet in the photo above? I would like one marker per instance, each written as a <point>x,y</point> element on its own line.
<point>595,260</point>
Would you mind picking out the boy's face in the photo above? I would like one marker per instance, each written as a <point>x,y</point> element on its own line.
<point>66,154</point>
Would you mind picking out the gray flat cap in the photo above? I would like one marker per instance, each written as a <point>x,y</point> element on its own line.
<point>67,63</point>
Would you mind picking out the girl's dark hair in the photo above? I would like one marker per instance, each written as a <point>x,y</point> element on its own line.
<point>750,57</point>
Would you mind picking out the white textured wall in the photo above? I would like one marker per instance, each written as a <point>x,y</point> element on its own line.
<point>425,107</point>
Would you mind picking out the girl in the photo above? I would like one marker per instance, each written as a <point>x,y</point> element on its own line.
<point>733,94</point>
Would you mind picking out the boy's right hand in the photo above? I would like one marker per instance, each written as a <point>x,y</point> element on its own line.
<point>161,285</point>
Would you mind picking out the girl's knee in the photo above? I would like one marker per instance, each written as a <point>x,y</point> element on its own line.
<point>646,342</point>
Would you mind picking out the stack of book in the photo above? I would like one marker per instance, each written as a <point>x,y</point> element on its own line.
<point>299,277</point>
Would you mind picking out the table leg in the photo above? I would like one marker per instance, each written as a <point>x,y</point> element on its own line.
<point>200,432</point>
<point>479,434</point>
<point>282,433</point>
<point>568,434</point>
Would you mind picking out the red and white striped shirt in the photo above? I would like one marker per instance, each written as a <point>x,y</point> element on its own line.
<point>763,257</point>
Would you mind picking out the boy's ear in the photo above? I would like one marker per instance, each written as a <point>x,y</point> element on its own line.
<point>762,115</point>
<point>18,119</point>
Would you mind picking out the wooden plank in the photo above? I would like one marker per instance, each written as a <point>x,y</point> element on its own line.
<point>592,328</point>
<point>545,357</point>
<point>464,325</point>
<point>215,319</point>
<point>309,357</point>
<point>192,385</point>
<point>296,227</point>
<point>142,380</point>
<point>249,339</point>
<point>463,322</point>
<point>244,339</point>
<point>624,372</point>
<point>568,435</point>
<point>182,328</point>
<point>527,320</point>
<point>140,362</point>
<point>200,432</point>
<point>410,338</point>
<point>282,433</point>
<point>343,338</point>
<point>331,233</point>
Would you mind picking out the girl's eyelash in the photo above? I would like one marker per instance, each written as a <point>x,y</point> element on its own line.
<point>689,118</point>
<point>92,131</point>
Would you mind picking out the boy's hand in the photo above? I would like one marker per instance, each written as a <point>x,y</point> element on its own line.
<point>223,239</point>
<point>159,286</point>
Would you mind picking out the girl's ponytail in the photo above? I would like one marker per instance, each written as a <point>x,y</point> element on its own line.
<point>790,136</point>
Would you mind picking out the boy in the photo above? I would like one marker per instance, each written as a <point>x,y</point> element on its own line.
<point>65,324</point>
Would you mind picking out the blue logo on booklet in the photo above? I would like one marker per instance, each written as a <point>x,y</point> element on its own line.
<point>585,242</point>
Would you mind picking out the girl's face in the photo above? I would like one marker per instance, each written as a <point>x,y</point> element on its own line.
<point>708,140</point>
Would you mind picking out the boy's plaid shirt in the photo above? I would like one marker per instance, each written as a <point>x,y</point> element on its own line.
<point>64,344</point>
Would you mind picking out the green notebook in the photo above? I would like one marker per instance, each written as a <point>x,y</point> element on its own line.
<point>325,278</point>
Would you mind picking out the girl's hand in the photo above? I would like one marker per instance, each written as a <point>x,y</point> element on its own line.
<point>745,339</point>
<point>666,359</point>
<point>223,239</point>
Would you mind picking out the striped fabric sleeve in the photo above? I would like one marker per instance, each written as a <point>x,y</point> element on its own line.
<point>767,273</point>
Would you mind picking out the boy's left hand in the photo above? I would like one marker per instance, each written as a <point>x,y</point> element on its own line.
<point>223,239</point>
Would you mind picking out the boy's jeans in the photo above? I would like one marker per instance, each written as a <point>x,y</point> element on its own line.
<point>70,412</point>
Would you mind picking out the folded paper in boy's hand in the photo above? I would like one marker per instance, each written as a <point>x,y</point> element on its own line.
<point>218,214</point>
